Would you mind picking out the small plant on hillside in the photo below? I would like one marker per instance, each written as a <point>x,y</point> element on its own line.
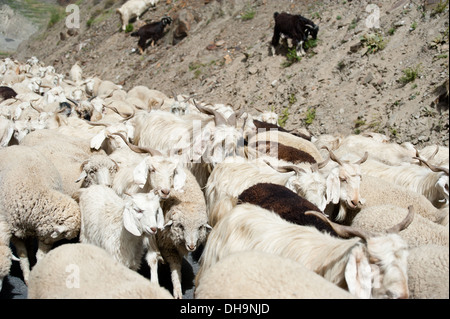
<point>373,42</point>
<point>129,28</point>
<point>442,5</point>
<point>410,74</point>
<point>284,117</point>
<point>310,116</point>
<point>56,14</point>
<point>248,14</point>
<point>291,58</point>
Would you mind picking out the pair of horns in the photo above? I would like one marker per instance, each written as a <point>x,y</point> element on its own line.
<point>334,158</point>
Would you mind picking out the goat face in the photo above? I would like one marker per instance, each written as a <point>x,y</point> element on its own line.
<point>442,186</point>
<point>166,21</point>
<point>161,174</point>
<point>142,214</point>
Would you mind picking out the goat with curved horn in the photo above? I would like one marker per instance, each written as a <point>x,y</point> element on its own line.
<point>138,149</point>
<point>433,167</point>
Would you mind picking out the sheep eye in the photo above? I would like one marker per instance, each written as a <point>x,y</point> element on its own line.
<point>139,211</point>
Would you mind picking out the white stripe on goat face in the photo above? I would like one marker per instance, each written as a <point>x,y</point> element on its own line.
<point>350,179</point>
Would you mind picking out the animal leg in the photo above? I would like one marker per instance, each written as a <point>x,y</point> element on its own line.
<point>22,253</point>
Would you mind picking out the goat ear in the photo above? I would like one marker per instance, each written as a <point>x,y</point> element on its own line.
<point>129,221</point>
<point>140,173</point>
<point>358,274</point>
<point>333,187</point>
<point>97,140</point>
<point>179,179</point>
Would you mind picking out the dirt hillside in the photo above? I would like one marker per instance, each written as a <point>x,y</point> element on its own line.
<point>376,65</point>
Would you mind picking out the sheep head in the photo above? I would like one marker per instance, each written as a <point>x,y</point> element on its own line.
<point>98,170</point>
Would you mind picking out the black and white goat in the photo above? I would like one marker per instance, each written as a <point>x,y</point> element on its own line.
<point>153,31</point>
<point>295,27</point>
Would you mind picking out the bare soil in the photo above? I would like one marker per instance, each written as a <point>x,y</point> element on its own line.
<point>339,87</point>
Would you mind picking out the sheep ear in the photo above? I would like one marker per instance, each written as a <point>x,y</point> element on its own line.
<point>82,176</point>
<point>358,274</point>
<point>140,173</point>
<point>333,187</point>
<point>97,140</point>
<point>129,222</point>
<point>179,179</point>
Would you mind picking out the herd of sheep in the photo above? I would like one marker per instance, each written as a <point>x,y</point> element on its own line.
<point>133,177</point>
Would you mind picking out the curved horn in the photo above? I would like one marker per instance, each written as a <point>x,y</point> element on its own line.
<point>342,230</point>
<point>138,149</point>
<point>36,108</point>
<point>363,159</point>
<point>434,153</point>
<point>404,223</point>
<point>324,163</point>
<point>125,116</point>
<point>435,169</point>
<point>218,118</point>
<point>286,168</point>
<point>175,96</point>
<point>332,156</point>
<point>74,102</point>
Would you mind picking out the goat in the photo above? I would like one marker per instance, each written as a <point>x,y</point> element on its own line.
<point>133,9</point>
<point>284,202</point>
<point>296,27</point>
<point>153,31</point>
<point>367,265</point>
<point>6,93</point>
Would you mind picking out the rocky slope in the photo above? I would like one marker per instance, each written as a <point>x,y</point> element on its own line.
<point>354,79</point>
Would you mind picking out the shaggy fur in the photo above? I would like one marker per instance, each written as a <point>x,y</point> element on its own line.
<point>239,275</point>
<point>345,262</point>
<point>186,228</point>
<point>32,202</point>
<point>83,271</point>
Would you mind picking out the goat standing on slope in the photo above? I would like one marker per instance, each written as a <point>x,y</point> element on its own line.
<point>153,31</point>
<point>295,27</point>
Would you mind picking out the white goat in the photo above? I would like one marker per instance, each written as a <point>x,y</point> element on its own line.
<point>117,224</point>
<point>134,9</point>
<point>370,266</point>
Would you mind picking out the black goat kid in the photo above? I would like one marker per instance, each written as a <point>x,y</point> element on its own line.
<point>295,27</point>
<point>153,31</point>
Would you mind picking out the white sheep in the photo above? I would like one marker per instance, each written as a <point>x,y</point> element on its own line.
<point>185,228</point>
<point>428,272</point>
<point>32,203</point>
<point>377,191</point>
<point>119,225</point>
<point>420,232</point>
<point>133,9</point>
<point>368,265</point>
<point>98,169</point>
<point>83,271</point>
<point>239,276</point>
<point>67,153</point>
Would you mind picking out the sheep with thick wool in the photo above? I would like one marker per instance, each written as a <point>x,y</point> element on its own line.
<point>119,225</point>
<point>84,271</point>
<point>33,203</point>
<point>428,272</point>
<point>349,263</point>
<point>420,232</point>
<point>185,228</point>
<point>238,276</point>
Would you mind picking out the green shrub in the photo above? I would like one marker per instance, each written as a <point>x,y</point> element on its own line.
<point>410,74</point>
